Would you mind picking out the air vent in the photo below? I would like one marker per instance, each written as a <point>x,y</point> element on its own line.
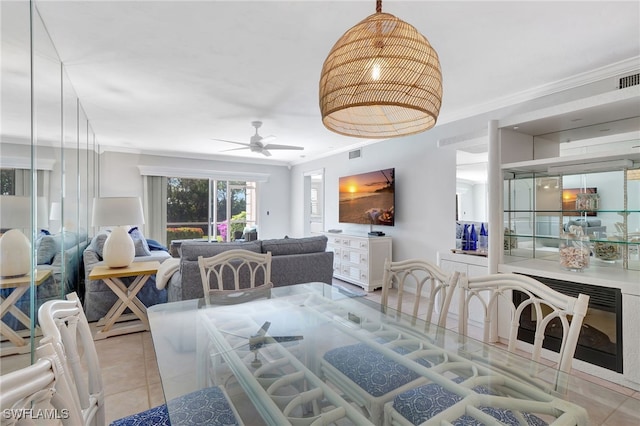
<point>356,153</point>
<point>630,80</point>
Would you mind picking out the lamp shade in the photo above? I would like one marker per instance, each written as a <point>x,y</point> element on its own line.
<point>42,213</point>
<point>114,211</point>
<point>381,79</point>
<point>14,211</point>
<point>56,211</point>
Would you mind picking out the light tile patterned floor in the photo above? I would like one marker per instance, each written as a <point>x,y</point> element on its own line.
<point>132,383</point>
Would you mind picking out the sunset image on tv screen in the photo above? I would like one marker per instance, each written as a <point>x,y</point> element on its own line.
<point>368,198</point>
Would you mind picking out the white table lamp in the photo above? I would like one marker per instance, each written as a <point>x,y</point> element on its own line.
<point>55,215</point>
<point>15,248</point>
<point>119,212</point>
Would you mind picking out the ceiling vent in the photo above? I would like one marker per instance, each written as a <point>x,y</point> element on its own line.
<point>630,80</point>
<point>356,153</point>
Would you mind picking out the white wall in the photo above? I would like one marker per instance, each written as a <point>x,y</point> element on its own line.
<point>425,179</point>
<point>120,176</point>
<point>473,201</point>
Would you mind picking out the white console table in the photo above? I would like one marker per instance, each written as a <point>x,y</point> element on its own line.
<point>359,259</point>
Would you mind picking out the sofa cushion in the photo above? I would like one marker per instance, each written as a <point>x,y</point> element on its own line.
<point>287,246</point>
<point>190,250</point>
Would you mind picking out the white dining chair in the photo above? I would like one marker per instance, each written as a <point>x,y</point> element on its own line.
<point>235,276</point>
<point>542,303</point>
<point>344,366</point>
<point>418,405</point>
<point>39,391</point>
<point>64,324</point>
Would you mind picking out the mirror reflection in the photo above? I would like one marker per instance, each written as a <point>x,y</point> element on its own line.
<point>604,207</point>
<point>47,177</point>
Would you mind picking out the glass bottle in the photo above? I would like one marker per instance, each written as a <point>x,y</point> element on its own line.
<point>483,240</point>
<point>473,238</point>
<point>465,237</point>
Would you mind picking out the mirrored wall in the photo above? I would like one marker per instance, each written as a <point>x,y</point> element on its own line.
<point>543,213</point>
<point>48,163</point>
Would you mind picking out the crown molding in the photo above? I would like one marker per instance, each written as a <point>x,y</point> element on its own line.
<point>202,173</point>
<point>25,163</point>
<point>593,76</point>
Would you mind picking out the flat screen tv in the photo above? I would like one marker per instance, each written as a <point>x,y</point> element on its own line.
<point>368,198</point>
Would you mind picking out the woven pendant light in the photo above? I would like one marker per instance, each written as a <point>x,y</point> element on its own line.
<point>381,79</point>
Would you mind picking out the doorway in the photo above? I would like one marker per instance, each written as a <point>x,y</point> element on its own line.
<point>314,202</point>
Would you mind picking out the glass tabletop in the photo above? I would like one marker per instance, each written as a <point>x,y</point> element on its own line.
<point>269,358</point>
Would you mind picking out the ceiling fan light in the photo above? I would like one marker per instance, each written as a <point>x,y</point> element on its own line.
<point>381,79</point>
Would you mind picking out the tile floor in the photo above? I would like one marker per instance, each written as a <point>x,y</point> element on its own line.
<point>132,382</point>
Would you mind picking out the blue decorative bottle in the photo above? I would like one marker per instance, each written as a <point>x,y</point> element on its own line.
<point>473,239</point>
<point>465,237</point>
<point>483,241</point>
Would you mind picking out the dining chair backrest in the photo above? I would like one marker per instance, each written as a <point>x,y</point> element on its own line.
<point>429,284</point>
<point>64,324</point>
<point>38,391</point>
<point>235,276</point>
<point>541,302</point>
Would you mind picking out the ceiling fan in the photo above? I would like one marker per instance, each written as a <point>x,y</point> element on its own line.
<point>260,340</point>
<point>257,143</point>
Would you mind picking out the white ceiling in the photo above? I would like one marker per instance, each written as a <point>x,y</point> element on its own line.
<point>167,76</point>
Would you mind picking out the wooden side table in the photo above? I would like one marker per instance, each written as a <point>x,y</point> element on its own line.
<point>127,298</point>
<point>21,344</point>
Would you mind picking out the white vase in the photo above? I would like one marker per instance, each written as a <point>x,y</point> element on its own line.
<point>15,254</point>
<point>118,250</point>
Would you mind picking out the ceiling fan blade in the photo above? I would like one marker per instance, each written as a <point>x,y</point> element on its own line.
<point>284,339</point>
<point>276,146</point>
<point>265,153</point>
<point>263,330</point>
<point>234,149</point>
<point>224,140</point>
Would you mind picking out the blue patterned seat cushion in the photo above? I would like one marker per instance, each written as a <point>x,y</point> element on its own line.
<point>204,407</point>
<point>420,404</point>
<point>371,370</point>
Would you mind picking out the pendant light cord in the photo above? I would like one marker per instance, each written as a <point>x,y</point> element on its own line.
<point>378,6</point>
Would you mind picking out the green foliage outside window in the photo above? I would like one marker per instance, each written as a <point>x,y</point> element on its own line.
<point>187,200</point>
<point>7,181</point>
<point>187,205</point>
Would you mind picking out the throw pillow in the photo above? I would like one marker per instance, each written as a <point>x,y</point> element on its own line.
<point>154,245</point>
<point>47,247</point>
<point>41,234</point>
<point>140,243</point>
<point>97,243</point>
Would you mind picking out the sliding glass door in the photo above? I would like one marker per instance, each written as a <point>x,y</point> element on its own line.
<point>209,209</point>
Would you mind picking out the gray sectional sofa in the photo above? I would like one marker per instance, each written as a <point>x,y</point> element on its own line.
<point>294,261</point>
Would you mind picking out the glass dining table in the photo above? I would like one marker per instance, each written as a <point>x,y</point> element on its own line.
<point>268,358</point>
